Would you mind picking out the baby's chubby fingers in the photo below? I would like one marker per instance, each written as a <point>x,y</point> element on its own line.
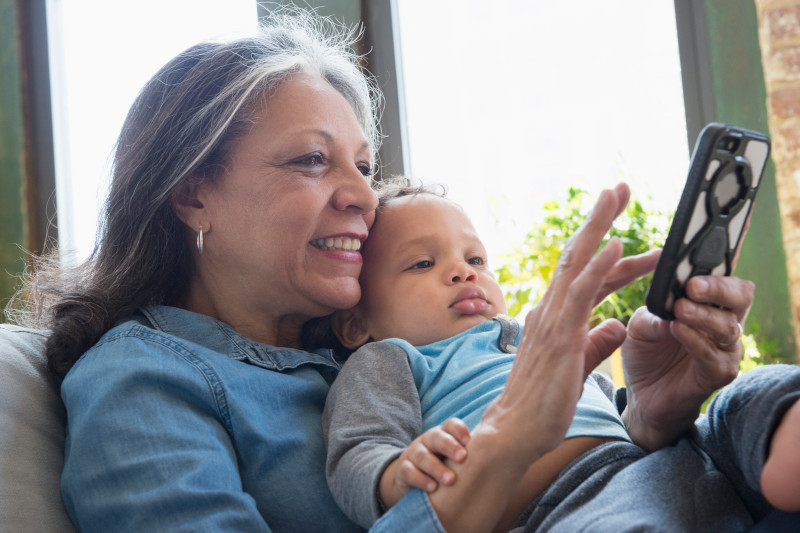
<point>448,440</point>
<point>409,475</point>
<point>419,467</point>
<point>458,430</point>
<point>425,454</point>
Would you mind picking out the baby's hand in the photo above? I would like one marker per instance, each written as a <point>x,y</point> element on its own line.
<point>421,464</point>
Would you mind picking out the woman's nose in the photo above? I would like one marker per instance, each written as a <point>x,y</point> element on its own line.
<point>355,193</point>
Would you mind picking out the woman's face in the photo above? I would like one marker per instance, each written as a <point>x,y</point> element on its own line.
<point>284,224</point>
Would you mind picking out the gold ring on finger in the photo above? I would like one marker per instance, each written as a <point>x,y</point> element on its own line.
<point>739,338</point>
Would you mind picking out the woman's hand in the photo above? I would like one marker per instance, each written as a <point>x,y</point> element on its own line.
<point>421,464</point>
<point>557,351</point>
<point>671,367</point>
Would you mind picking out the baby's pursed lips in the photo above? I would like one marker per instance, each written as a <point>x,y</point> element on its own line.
<point>468,293</point>
<point>348,244</point>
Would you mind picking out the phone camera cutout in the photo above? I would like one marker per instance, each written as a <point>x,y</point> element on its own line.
<point>730,190</point>
<point>729,144</point>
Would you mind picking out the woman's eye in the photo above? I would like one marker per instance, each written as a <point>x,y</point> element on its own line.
<point>310,160</point>
<point>421,265</point>
<point>475,261</point>
<point>365,169</point>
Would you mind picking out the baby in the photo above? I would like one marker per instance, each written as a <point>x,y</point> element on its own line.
<point>446,350</point>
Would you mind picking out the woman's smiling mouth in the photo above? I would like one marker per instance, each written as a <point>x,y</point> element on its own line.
<point>347,244</point>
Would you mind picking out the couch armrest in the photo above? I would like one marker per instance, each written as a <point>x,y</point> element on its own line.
<point>32,432</point>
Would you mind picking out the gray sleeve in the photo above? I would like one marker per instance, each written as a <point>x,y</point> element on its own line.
<point>618,396</point>
<point>371,415</point>
<point>605,383</point>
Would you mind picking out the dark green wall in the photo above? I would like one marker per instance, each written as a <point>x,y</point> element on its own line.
<point>12,198</point>
<point>739,98</point>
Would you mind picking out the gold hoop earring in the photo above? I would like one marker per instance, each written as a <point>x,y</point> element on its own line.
<point>200,241</point>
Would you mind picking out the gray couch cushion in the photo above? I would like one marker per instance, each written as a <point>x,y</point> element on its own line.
<point>32,429</point>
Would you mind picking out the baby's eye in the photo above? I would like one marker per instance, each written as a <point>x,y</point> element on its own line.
<point>421,265</point>
<point>475,261</point>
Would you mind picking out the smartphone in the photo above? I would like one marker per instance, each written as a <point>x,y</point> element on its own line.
<point>707,230</point>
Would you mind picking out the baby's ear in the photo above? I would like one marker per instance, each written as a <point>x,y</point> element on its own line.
<point>349,329</point>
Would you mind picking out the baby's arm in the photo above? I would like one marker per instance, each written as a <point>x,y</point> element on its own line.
<point>371,416</point>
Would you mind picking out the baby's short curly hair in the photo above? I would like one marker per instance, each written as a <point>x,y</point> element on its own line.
<point>398,186</point>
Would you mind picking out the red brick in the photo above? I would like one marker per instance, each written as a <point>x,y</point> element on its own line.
<point>781,24</point>
<point>785,103</point>
<point>783,65</point>
<point>786,144</point>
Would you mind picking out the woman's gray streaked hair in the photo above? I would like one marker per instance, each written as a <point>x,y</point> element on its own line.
<point>181,126</point>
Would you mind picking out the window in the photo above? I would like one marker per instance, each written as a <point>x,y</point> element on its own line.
<point>511,102</point>
<point>101,54</point>
<point>508,103</point>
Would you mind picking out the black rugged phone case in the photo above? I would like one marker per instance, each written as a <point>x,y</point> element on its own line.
<point>722,182</point>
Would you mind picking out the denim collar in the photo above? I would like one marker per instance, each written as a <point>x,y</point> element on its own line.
<point>222,338</point>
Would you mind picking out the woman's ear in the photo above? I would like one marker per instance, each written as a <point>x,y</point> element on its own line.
<point>349,329</point>
<point>188,206</point>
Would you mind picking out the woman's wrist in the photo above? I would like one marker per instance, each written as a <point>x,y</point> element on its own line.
<point>484,482</point>
<point>653,436</point>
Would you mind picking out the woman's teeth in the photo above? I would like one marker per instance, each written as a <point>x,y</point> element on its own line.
<point>338,243</point>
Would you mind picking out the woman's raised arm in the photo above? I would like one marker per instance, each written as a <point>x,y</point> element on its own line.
<point>555,355</point>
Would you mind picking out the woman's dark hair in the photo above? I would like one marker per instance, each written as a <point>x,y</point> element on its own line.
<point>181,127</point>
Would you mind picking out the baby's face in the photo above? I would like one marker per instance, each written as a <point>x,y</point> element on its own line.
<point>425,276</point>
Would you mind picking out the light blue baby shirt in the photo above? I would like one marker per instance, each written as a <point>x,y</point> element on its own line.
<point>460,376</point>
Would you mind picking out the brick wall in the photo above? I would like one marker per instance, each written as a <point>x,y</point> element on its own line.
<point>779,37</point>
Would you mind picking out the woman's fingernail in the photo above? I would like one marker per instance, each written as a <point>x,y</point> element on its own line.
<point>701,286</point>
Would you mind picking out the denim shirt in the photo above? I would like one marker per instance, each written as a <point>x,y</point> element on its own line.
<point>178,423</point>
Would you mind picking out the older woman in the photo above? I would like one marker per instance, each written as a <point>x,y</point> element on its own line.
<point>239,201</point>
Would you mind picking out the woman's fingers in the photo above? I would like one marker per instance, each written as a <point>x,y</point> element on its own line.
<point>727,292</point>
<point>582,291</point>
<point>627,270</point>
<point>603,340</point>
<point>713,313</point>
<point>553,353</point>
<point>719,326</point>
<point>583,244</point>
<point>708,326</point>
